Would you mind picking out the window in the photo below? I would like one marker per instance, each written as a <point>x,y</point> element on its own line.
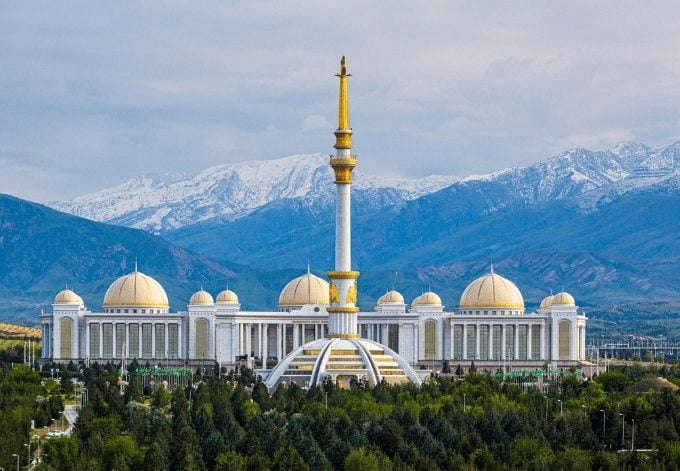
<point>393,337</point>
<point>201,348</point>
<point>535,342</point>
<point>430,339</point>
<point>522,346</point>
<point>133,339</point>
<point>483,342</point>
<point>497,338</point>
<point>160,341</point>
<point>564,340</point>
<point>471,342</point>
<point>120,340</point>
<point>146,341</point>
<point>173,341</point>
<point>94,340</point>
<point>66,327</point>
<point>107,341</point>
<point>457,342</point>
<point>510,342</point>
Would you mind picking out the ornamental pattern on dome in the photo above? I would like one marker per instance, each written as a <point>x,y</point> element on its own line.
<point>227,297</point>
<point>201,297</point>
<point>305,289</point>
<point>492,290</point>
<point>427,299</point>
<point>68,296</point>
<point>391,297</point>
<point>563,299</point>
<point>136,290</point>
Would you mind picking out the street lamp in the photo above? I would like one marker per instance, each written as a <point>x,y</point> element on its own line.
<point>604,425</point>
<point>632,440</point>
<point>560,401</point>
<point>623,430</point>
<point>28,463</point>
<point>585,414</point>
<point>464,402</point>
<point>17,457</point>
<point>547,399</point>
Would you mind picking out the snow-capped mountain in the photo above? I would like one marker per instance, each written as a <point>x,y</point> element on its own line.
<point>158,203</point>
<point>161,203</point>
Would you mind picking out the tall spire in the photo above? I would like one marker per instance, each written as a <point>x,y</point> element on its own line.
<point>342,313</point>
<point>343,135</point>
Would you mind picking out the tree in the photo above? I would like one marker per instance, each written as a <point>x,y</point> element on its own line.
<point>230,461</point>
<point>61,452</point>
<point>120,453</point>
<point>366,460</point>
<point>288,459</point>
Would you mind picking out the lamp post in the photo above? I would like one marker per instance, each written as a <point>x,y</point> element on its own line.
<point>17,457</point>
<point>623,431</point>
<point>560,401</point>
<point>585,413</point>
<point>547,399</point>
<point>632,440</point>
<point>604,425</point>
<point>463,402</point>
<point>28,463</point>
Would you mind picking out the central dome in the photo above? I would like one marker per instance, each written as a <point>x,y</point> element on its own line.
<point>305,289</point>
<point>136,290</point>
<point>67,296</point>
<point>492,291</point>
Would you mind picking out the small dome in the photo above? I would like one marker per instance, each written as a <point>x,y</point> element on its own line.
<point>547,301</point>
<point>201,297</point>
<point>563,299</point>
<point>305,289</point>
<point>67,296</point>
<point>427,299</point>
<point>492,290</point>
<point>227,297</point>
<point>136,290</point>
<point>391,297</point>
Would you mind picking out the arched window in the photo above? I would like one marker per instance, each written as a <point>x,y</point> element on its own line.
<point>201,338</point>
<point>66,327</point>
<point>564,335</point>
<point>430,339</point>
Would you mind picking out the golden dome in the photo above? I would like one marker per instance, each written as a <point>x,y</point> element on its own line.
<point>391,297</point>
<point>547,301</point>
<point>201,297</point>
<point>563,299</point>
<point>68,296</point>
<point>305,289</point>
<point>227,297</point>
<point>429,298</point>
<point>136,290</point>
<point>492,290</point>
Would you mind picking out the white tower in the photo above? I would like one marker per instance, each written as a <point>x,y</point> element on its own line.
<point>342,313</point>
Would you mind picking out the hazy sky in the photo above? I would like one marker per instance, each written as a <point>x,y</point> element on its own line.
<point>93,93</point>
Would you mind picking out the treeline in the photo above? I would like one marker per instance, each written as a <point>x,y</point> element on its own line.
<point>233,423</point>
<point>24,397</point>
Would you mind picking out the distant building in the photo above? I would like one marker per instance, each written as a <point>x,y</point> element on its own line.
<point>317,332</point>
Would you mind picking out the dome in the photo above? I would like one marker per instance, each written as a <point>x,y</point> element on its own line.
<point>547,301</point>
<point>227,297</point>
<point>563,299</point>
<point>67,296</point>
<point>305,289</point>
<point>492,290</point>
<point>429,298</point>
<point>201,297</point>
<point>136,290</point>
<point>391,297</point>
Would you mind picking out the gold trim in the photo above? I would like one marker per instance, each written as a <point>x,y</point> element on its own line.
<point>341,310</point>
<point>343,275</point>
<point>343,336</point>
<point>333,293</point>
<point>343,174</point>
<point>352,294</point>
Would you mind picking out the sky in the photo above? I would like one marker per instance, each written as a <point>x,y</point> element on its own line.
<point>95,93</point>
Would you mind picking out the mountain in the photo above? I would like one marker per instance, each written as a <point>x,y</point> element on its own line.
<point>42,250</point>
<point>158,203</point>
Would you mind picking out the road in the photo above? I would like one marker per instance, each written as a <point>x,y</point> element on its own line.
<point>71,414</point>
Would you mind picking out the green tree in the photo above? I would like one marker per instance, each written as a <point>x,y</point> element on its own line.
<point>231,461</point>
<point>366,460</point>
<point>121,454</point>
<point>288,459</point>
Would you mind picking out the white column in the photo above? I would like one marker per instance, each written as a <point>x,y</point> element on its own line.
<point>477,356</point>
<point>113,328</point>
<point>296,334</point>
<point>265,335</point>
<point>465,329</point>
<point>516,354</point>
<point>490,340</point>
<point>542,339</point>
<point>451,330</point>
<point>167,340</point>
<point>503,352</point>
<point>249,339</point>
<point>87,340</point>
<point>101,340</point>
<point>529,342</point>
